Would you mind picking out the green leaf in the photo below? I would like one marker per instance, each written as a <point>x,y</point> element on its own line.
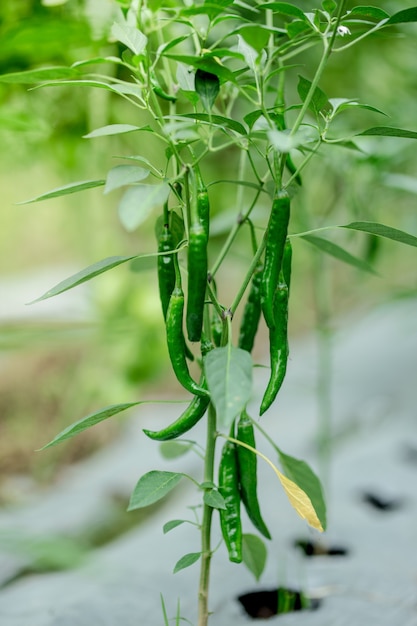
<point>122,175</point>
<point>374,13</point>
<point>186,561</point>
<point>207,86</point>
<point>138,202</point>
<point>218,120</point>
<point>130,36</point>
<point>339,253</point>
<point>304,477</point>
<point>388,131</point>
<point>40,75</point>
<point>88,421</point>
<point>320,102</point>
<point>112,129</point>
<point>285,8</point>
<point>382,230</point>
<point>407,15</point>
<point>65,190</point>
<point>213,498</point>
<point>174,449</point>
<point>84,275</point>
<point>172,524</point>
<point>229,379</point>
<point>152,487</point>
<point>206,63</point>
<point>329,6</point>
<point>254,554</point>
<point>341,104</point>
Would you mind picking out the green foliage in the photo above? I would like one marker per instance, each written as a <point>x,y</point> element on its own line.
<point>199,82</point>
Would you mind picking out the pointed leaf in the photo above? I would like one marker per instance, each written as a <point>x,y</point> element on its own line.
<point>112,129</point>
<point>254,554</point>
<point>374,13</point>
<point>229,379</point>
<point>130,36</point>
<point>300,501</point>
<point>84,275</point>
<point>186,561</point>
<point>407,15</point>
<point>320,102</point>
<point>213,498</point>
<point>40,75</point>
<point>207,86</point>
<point>172,524</point>
<point>306,480</point>
<point>152,487</point>
<point>329,5</point>
<point>65,190</point>
<point>138,202</point>
<point>122,175</point>
<point>285,8</point>
<point>384,231</point>
<point>218,120</point>
<point>339,253</point>
<point>388,131</point>
<point>88,421</point>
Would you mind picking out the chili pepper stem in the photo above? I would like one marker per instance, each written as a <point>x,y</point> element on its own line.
<point>206,552</point>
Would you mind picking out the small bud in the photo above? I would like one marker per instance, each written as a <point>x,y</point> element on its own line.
<point>343,30</point>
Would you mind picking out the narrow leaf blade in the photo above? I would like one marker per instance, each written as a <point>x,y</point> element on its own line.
<point>130,36</point>
<point>88,421</point>
<point>138,202</point>
<point>84,275</point>
<point>122,175</point>
<point>388,131</point>
<point>207,86</point>
<point>111,129</point>
<point>152,487</point>
<point>407,15</point>
<point>172,524</point>
<point>339,253</point>
<point>229,379</point>
<point>39,75</point>
<point>374,228</point>
<point>65,190</point>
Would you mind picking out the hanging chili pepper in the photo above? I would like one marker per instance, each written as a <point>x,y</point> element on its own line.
<point>247,467</point>
<point>278,347</point>
<point>274,249</point>
<point>197,261</point>
<point>189,418</point>
<point>175,337</point>
<point>166,268</point>
<point>251,312</point>
<point>230,522</point>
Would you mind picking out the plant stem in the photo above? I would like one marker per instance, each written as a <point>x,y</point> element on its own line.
<point>206,553</point>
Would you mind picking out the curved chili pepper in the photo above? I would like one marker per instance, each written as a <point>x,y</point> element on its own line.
<point>166,268</point>
<point>251,312</point>
<point>274,249</point>
<point>189,418</point>
<point>197,280</point>
<point>278,347</point>
<point>175,337</point>
<point>247,467</point>
<point>230,522</point>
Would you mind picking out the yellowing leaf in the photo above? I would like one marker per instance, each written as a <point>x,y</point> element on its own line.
<point>300,501</point>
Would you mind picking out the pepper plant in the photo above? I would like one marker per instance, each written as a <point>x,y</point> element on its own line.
<point>211,80</point>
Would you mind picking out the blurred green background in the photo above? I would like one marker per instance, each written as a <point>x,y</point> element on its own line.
<point>54,372</point>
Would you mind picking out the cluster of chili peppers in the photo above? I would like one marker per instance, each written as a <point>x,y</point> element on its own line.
<point>268,298</point>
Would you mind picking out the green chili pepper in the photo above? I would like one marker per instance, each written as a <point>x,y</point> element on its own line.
<point>274,249</point>
<point>230,521</point>
<point>247,467</point>
<point>278,347</point>
<point>175,337</point>
<point>189,418</point>
<point>251,312</point>
<point>286,264</point>
<point>166,268</point>
<point>161,93</point>
<point>197,280</point>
